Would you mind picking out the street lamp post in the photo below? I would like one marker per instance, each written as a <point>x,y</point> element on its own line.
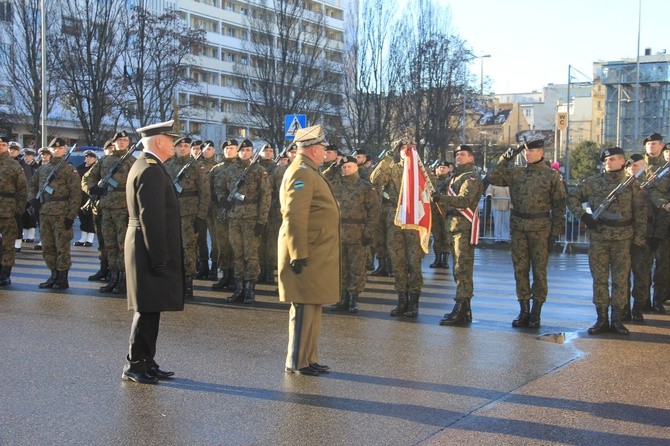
<point>481,73</point>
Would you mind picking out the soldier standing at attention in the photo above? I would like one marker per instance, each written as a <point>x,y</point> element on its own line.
<point>154,260</point>
<point>359,213</point>
<point>633,166</point>
<point>193,197</point>
<point>440,242</point>
<point>538,218</point>
<point>332,157</point>
<point>247,218</point>
<point>362,158</point>
<point>114,209</point>
<point>13,199</point>
<point>202,249</point>
<point>29,165</point>
<point>267,246</point>
<point>103,273</point>
<point>57,213</point>
<point>609,253</point>
<point>309,250</point>
<point>460,203</point>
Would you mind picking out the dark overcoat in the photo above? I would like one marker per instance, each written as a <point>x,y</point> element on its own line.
<point>153,237</point>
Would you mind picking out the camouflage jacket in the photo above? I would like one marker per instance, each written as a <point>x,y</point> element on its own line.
<point>255,188</point>
<point>268,164</point>
<point>66,197</point>
<point>655,198</point>
<point>194,198</point>
<point>630,204</point>
<point>387,177</point>
<point>116,198</point>
<point>535,190</point>
<point>359,208</point>
<point>13,189</point>
<point>468,187</point>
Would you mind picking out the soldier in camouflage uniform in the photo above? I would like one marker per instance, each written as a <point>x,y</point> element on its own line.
<point>221,249</point>
<point>467,188</point>
<point>438,228</point>
<point>359,213</point>
<point>247,215</point>
<point>103,272</point>
<point>267,246</point>
<point>361,159</point>
<point>13,198</point>
<point>609,253</point>
<point>114,209</point>
<point>404,245</point>
<point>57,213</point>
<point>193,197</point>
<point>203,270</point>
<point>332,156</point>
<point>538,218</point>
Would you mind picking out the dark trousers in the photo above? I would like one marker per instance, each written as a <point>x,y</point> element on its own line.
<point>143,335</point>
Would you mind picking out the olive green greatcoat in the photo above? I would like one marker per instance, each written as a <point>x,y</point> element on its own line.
<point>310,230</point>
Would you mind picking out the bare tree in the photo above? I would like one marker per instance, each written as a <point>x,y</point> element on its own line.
<point>290,70</point>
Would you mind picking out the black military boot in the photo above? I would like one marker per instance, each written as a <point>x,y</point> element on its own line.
<point>202,272</point>
<point>524,315</point>
<point>438,261</point>
<point>646,306</point>
<point>120,287</point>
<point>50,281</point>
<point>238,294</point>
<point>101,273</point>
<point>389,268</point>
<point>188,287</point>
<point>534,321</point>
<point>353,302</point>
<point>270,275</point>
<point>111,283</point>
<point>625,313</point>
<point>263,274</point>
<point>616,325</point>
<point>460,315</point>
<point>446,259</point>
<point>213,273</point>
<point>636,313</point>
<point>602,324</point>
<point>61,281</point>
<point>249,292</point>
<point>223,282</point>
<point>4,276</point>
<point>232,284</point>
<point>657,306</point>
<point>402,305</point>
<point>342,304</point>
<point>413,305</point>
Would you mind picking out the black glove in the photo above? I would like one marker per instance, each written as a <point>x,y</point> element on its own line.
<point>35,204</point>
<point>226,204</point>
<point>653,243</point>
<point>365,241</point>
<point>436,196</point>
<point>200,225</point>
<point>97,190</point>
<point>258,229</point>
<point>158,270</point>
<point>588,220</point>
<point>298,264</point>
<point>512,152</point>
<point>551,242</point>
<point>68,222</point>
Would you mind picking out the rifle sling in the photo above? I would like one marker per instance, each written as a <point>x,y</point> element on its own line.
<point>188,193</point>
<point>7,195</point>
<point>614,223</point>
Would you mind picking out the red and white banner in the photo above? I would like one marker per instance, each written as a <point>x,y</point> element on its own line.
<point>473,217</point>
<point>413,210</point>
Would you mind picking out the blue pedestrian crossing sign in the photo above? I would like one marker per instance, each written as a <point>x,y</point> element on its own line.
<point>292,123</point>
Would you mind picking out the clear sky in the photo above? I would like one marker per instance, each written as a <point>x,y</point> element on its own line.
<point>532,42</point>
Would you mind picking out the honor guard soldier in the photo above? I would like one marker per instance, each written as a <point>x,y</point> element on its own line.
<point>104,273</point>
<point>333,156</point>
<point>86,225</point>
<point>267,246</point>
<point>204,254</point>
<point>245,193</point>
<point>192,188</point>
<point>623,222</point>
<point>113,207</point>
<point>359,214</point>
<point>13,199</point>
<point>57,211</point>
<point>538,218</point>
<point>361,158</point>
<point>440,242</point>
<point>29,222</point>
<point>460,201</point>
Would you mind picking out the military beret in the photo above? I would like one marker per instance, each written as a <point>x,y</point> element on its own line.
<point>161,128</point>
<point>246,143</point>
<point>108,143</point>
<point>399,143</point>
<point>5,139</point>
<point>29,151</point>
<point>90,153</point>
<point>348,159</point>
<point>268,146</point>
<point>57,142</point>
<point>359,152</point>
<point>653,137</point>
<point>229,142</point>
<point>444,164</point>
<point>611,152</point>
<point>464,147</point>
<point>667,146</point>
<point>183,139</point>
<point>14,145</point>
<point>333,147</point>
<point>536,144</point>
<point>205,142</point>
<point>310,136</point>
<point>634,158</point>
<point>121,134</point>
<point>44,150</point>
<point>196,142</point>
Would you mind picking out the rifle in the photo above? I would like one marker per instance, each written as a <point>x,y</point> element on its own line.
<point>486,180</point>
<point>602,209</point>
<point>107,182</point>
<point>180,176</point>
<point>280,154</point>
<point>234,191</point>
<point>379,158</point>
<point>660,173</point>
<point>36,203</point>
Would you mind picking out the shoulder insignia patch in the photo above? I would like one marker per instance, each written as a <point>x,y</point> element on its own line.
<point>298,185</point>
<point>151,161</point>
<point>265,173</point>
<point>303,166</point>
<point>202,167</point>
<point>472,179</point>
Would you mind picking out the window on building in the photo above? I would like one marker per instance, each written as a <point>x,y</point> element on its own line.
<point>5,95</point>
<point>6,11</point>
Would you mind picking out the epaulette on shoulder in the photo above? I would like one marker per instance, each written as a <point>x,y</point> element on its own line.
<point>151,161</point>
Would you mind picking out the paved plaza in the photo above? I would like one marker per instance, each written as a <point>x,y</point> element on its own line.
<point>393,382</point>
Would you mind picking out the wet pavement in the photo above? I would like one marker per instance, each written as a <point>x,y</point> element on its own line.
<point>394,382</point>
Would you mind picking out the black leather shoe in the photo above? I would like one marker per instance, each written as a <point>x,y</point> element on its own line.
<point>308,371</point>
<point>79,243</point>
<point>320,368</point>
<point>139,377</point>
<point>157,373</point>
<point>88,244</point>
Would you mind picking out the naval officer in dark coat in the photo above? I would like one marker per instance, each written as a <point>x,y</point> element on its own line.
<point>153,251</point>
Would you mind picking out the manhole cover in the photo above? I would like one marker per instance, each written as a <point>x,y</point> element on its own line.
<point>558,338</point>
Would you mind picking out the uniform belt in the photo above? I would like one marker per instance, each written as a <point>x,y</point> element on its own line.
<point>358,221</point>
<point>189,193</point>
<point>615,223</point>
<point>56,199</point>
<point>246,201</point>
<point>530,215</point>
<point>7,195</point>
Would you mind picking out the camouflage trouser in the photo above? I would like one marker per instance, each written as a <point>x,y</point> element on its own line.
<point>224,252</point>
<point>8,229</point>
<point>56,242</point>
<point>464,264</point>
<point>353,267</point>
<point>245,248</point>
<point>642,264</point>
<point>529,249</point>
<point>188,243</point>
<point>440,239</point>
<point>404,249</point>
<point>97,223</point>
<point>610,258</point>
<point>114,226</point>
<point>380,236</point>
